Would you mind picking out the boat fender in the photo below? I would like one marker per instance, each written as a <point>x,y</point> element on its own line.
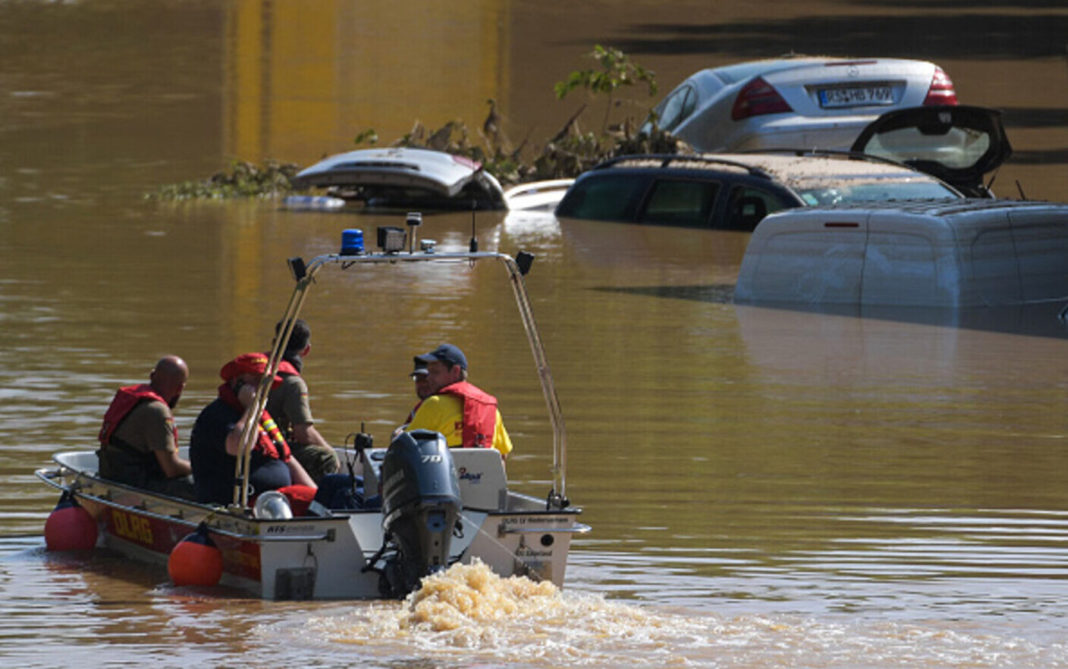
<point>195,560</point>
<point>70,527</point>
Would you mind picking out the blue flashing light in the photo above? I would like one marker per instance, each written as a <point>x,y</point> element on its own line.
<point>352,242</point>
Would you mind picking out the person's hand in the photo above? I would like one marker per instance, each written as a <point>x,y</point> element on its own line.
<point>246,394</point>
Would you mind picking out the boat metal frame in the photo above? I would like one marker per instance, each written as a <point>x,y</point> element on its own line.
<point>305,274</point>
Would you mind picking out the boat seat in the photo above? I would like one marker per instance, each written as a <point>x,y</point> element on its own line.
<point>483,485</point>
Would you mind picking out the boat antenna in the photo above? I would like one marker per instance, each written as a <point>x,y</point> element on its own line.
<point>414,220</point>
<point>1020,188</point>
<point>473,245</point>
<point>350,457</point>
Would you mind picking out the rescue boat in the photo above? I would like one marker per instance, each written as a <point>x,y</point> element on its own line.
<point>435,505</point>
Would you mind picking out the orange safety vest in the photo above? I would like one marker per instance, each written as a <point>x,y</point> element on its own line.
<point>124,402</point>
<point>480,414</point>
<point>269,439</point>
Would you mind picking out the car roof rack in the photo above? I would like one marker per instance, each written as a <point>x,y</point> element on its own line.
<point>836,153</point>
<point>667,158</point>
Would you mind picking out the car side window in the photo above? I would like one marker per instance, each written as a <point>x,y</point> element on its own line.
<point>680,202</point>
<point>604,197</point>
<point>748,206</point>
<point>676,108</point>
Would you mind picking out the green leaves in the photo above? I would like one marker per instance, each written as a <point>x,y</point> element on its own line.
<point>243,180</point>
<point>369,136</point>
<point>616,69</point>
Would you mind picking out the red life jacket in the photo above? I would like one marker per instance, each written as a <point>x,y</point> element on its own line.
<point>125,400</point>
<point>287,368</point>
<point>269,439</point>
<point>480,414</point>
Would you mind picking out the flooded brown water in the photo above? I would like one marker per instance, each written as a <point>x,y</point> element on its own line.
<point>766,487</point>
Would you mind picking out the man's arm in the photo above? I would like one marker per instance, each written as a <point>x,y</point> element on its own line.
<point>501,441</point>
<point>305,433</point>
<point>233,437</point>
<point>233,440</point>
<point>172,465</point>
<point>297,411</point>
<point>160,440</point>
<point>298,474</point>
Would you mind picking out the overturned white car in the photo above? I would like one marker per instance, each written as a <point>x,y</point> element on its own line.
<point>407,178</point>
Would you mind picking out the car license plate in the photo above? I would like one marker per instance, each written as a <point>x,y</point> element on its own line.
<point>856,96</point>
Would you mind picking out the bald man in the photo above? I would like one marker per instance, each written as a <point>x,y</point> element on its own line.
<point>139,440</point>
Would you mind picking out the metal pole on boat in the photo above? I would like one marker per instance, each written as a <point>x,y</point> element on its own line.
<point>259,402</point>
<point>558,496</point>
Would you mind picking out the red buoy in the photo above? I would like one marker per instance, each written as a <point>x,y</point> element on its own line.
<point>195,560</point>
<point>70,527</point>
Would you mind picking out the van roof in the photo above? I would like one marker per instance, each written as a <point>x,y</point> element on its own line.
<point>935,208</point>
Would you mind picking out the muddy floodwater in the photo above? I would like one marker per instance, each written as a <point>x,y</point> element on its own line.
<point>766,487</point>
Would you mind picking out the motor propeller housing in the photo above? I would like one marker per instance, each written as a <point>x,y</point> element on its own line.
<point>421,505</point>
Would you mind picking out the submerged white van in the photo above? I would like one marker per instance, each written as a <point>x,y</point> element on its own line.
<point>961,253</point>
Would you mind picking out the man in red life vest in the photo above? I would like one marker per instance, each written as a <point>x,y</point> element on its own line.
<point>216,438</point>
<point>466,415</point>
<point>139,441</point>
<point>288,403</point>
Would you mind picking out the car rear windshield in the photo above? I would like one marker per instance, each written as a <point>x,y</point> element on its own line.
<point>879,190</point>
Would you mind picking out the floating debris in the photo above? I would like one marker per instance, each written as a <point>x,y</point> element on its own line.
<point>272,179</point>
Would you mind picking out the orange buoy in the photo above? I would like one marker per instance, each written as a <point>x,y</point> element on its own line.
<point>195,560</point>
<point>70,527</point>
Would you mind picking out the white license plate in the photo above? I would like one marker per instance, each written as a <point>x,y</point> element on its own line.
<point>856,96</point>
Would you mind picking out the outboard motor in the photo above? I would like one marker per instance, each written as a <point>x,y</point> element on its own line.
<point>420,507</point>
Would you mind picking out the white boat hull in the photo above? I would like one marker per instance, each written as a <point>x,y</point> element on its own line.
<point>313,557</point>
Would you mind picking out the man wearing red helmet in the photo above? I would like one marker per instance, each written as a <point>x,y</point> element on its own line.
<point>216,439</point>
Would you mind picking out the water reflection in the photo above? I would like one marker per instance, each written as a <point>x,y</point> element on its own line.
<point>766,486</point>
<point>1045,319</point>
<point>301,82</point>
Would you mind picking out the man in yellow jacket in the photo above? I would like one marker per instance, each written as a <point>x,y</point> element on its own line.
<point>464,414</point>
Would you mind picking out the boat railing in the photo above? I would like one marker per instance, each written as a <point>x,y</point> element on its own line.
<point>49,476</point>
<point>576,528</point>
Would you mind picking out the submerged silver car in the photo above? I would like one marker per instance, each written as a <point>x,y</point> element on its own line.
<point>796,102</point>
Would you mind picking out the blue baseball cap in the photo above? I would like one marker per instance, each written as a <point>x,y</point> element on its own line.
<point>446,353</point>
<point>420,369</point>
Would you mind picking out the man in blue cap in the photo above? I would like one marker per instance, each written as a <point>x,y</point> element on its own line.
<point>466,415</point>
